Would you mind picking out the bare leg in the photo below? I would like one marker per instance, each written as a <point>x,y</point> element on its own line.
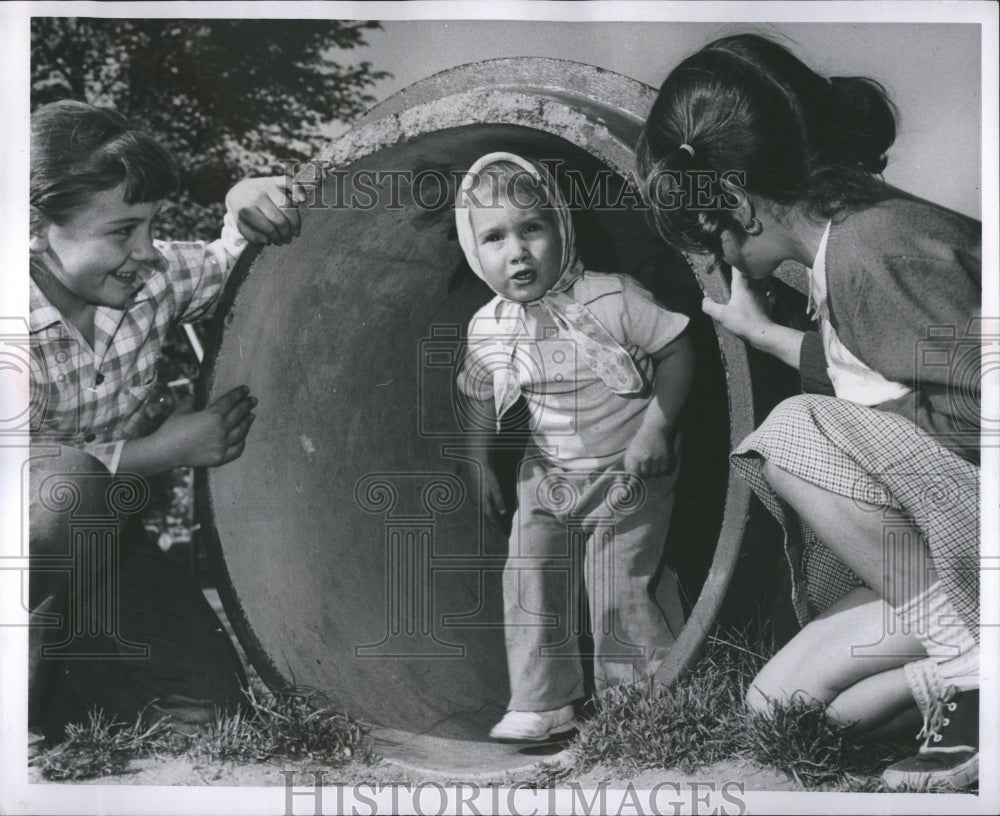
<point>897,569</point>
<point>855,532</point>
<point>820,663</point>
<point>876,702</point>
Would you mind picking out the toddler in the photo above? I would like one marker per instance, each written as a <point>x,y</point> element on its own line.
<point>604,371</point>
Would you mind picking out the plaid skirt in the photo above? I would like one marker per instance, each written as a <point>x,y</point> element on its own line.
<point>876,458</point>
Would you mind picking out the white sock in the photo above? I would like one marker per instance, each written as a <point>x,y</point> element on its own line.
<point>931,618</point>
<point>925,683</point>
<point>961,672</point>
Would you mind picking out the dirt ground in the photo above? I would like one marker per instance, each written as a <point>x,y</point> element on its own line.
<point>185,771</point>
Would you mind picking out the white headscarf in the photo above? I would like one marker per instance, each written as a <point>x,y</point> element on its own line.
<point>601,352</point>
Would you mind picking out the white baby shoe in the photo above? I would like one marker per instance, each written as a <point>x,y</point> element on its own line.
<point>533,726</point>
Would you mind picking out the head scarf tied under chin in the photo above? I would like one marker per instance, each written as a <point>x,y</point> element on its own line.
<point>598,349</point>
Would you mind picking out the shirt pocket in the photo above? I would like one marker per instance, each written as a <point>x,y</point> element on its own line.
<point>137,404</point>
<point>142,383</point>
<point>137,392</point>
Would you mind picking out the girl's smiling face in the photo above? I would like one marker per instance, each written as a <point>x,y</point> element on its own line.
<point>97,257</point>
<point>519,249</point>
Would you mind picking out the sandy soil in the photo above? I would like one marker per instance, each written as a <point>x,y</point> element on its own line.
<point>190,772</point>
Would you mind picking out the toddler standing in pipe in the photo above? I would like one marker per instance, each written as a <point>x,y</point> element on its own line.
<point>604,371</point>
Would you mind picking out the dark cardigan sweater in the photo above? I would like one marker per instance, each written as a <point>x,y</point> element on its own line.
<point>904,283</point>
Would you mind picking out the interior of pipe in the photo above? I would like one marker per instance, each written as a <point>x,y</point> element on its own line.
<point>350,559</point>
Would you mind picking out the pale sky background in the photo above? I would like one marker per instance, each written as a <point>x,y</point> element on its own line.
<point>931,70</point>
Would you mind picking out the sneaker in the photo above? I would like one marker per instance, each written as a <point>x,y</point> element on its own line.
<point>533,726</point>
<point>949,755</point>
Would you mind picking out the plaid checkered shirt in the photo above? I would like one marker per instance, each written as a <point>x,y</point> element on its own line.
<point>93,397</point>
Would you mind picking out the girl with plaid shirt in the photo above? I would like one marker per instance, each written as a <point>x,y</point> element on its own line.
<point>104,295</point>
<point>873,472</point>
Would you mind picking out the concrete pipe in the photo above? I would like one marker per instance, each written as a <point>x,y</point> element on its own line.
<point>349,557</point>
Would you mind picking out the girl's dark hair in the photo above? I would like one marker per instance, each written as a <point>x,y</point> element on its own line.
<point>79,149</point>
<point>747,108</point>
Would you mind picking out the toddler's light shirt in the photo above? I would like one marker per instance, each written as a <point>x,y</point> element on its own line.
<point>575,419</point>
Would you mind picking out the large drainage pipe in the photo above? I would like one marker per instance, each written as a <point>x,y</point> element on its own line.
<point>348,556</point>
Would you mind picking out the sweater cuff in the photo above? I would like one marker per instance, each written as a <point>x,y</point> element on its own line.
<point>232,240</point>
<point>108,454</point>
<point>812,366</point>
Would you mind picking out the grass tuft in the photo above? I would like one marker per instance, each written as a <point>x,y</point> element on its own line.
<point>291,724</point>
<point>703,719</point>
<point>685,726</point>
<point>288,724</point>
<point>798,739</point>
<point>547,775</point>
<point>103,747</point>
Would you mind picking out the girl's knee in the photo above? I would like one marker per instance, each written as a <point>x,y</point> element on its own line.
<point>775,685</point>
<point>800,671</point>
<point>759,697</point>
<point>68,483</point>
<point>795,404</point>
<point>774,688</point>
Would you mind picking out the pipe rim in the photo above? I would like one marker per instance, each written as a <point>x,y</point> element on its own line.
<point>384,127</point>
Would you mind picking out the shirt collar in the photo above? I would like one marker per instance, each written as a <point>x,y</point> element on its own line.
<point>42,313</point>
<point>817,276</point>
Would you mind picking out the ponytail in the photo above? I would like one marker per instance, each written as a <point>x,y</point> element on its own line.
<point>862,123</point>
<point>751,109</point>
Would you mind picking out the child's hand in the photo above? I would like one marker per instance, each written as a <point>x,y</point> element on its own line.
<point>265,211</point>
<point>746,316</point>
<point>649,453</point>
<point>213,436</point>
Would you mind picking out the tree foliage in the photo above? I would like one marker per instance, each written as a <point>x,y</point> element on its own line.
<point>230,98</point>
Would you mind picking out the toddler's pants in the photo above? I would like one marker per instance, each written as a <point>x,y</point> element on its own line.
<point>602,530</point>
